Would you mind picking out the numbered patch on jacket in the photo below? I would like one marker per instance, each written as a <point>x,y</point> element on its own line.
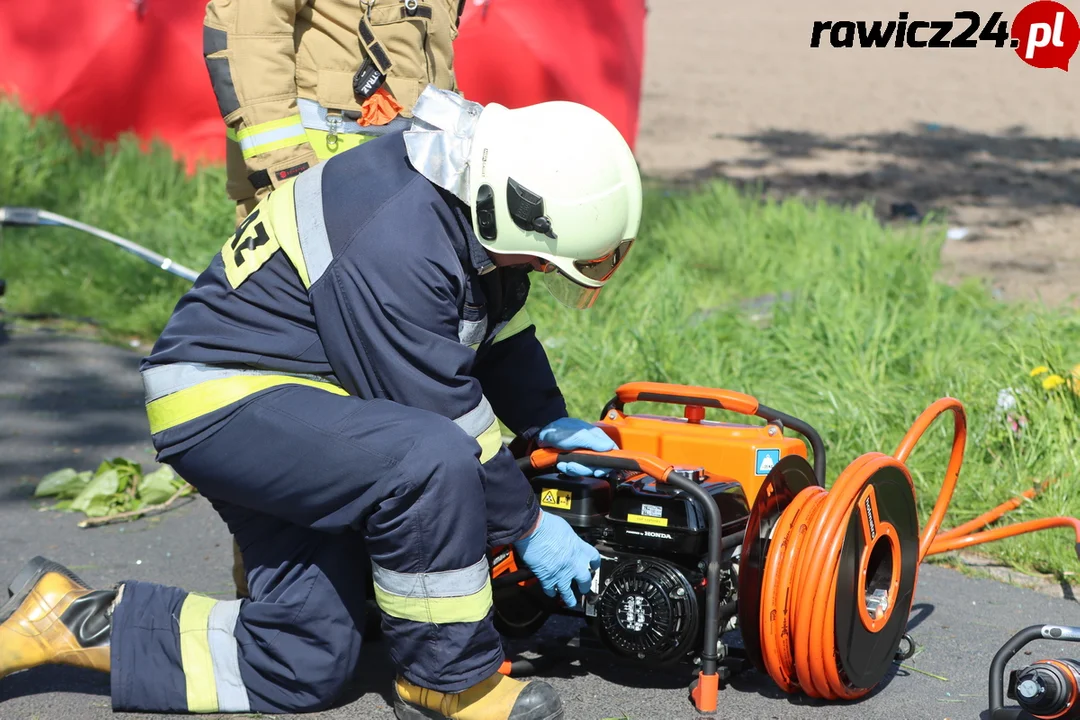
<point>248,250</point>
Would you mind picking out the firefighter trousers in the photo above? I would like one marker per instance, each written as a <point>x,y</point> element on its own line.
<point>319,490</point>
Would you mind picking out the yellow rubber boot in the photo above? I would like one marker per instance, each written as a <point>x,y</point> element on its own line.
<point>497,698</point>
<point>52,617</point>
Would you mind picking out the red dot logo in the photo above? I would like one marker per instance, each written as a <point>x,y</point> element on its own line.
<point>1045,34</point>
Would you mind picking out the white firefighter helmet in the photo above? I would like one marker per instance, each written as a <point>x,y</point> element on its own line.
<point>556,181</point>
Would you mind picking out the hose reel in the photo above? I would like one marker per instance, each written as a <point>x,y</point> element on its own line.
<point>820,583</point>
<point>828,576</point>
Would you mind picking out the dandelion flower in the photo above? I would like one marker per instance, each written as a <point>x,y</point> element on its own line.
<point>1052,382</point>
<point>1041,370</point>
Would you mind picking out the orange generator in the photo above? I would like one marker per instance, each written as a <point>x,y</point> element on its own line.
<point>705,527</point>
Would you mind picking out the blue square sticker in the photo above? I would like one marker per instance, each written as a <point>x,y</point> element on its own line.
<point>766,460</point>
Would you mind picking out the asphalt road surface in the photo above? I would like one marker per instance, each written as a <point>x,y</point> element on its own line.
<point>68,402</point>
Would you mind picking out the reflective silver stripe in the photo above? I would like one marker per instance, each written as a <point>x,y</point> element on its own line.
<point>446,584</point>
<point>220,631</point>
<point>471,332</point>
<point>313,116</point>
<point>310,223</point>
<point>249,143</point>
<point>166,379</point>
<point>477,420</point>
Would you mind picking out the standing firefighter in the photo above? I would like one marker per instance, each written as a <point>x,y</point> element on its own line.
<point>331,384</point>
<point>298,81</point>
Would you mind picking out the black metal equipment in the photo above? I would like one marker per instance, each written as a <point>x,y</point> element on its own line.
<point>1044,690</point>
<point>660,589</point>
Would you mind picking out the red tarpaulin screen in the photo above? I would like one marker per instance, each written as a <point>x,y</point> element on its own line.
<point>113,66</point>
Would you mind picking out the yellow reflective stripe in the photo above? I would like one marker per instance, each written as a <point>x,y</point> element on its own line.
<point>254,150</point>
<point>206,397</point>
<point>195,656</point>
<point>345,141</point>
<point>490,442</point>
<point>282,218</point>
<point>467,608</point>
<point>271,125</point>
<point>519,322</point>
<point>231,134</point>
<point>273,135</point>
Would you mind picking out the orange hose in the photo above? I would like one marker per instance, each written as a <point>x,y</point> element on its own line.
<point>798,597</point>
<point>952,472</point>
<point>990,516</point>
<point>947,544</point>
<point>799,583</point>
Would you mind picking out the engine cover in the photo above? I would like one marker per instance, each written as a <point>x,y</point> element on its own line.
<point>661,518</point>
<point>648,610</point>
<point>583,502</point>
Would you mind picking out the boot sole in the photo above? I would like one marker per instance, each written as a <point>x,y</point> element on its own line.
<point>27,578</point>
<point>404,711</point>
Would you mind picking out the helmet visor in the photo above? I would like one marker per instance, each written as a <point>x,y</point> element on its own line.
<point>568,292</point>
<point>572,293</point>
<point>604,267</point>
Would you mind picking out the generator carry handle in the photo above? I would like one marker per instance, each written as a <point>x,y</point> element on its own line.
<point>651,465</point>
<point>707,685</point>
<point>691,395</point>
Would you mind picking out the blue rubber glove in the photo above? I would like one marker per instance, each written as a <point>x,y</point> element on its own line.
<point>559,558</point>
<point>575,434</point>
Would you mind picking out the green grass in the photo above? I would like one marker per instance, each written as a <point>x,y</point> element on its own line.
<point>860,341</point>
<point>145,197</point>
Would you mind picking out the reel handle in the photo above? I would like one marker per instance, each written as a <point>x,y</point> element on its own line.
<point>692,395</point>
<point>1010,648</point>
<point>651,465</point>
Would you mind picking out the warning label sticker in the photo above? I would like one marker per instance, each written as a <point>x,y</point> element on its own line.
<point>766,460</point>
<point>645,520</point>
<point>555,498</point>
<point>652,510</point>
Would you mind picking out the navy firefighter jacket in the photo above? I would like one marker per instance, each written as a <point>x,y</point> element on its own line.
<point>361,277</point>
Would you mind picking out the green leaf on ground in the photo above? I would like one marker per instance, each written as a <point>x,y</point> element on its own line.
<point>104,485</point>
<point>127,472</point>
<point>118,486</point>
<point>64,484</point>
<point>98,506</point>
<point>158,486</point>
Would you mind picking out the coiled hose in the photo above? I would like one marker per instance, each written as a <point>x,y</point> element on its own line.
<point>798,629</point>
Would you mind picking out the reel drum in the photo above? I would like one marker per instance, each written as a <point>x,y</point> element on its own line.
<point>875,582</point>
<point>828,577</point>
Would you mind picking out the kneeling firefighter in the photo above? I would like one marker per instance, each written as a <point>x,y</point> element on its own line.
<point>331,385</point>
